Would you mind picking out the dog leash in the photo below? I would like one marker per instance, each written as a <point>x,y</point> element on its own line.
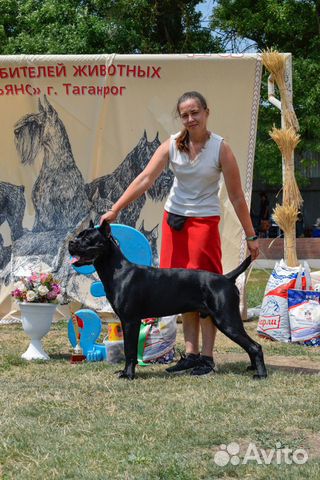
<point>261,254</point>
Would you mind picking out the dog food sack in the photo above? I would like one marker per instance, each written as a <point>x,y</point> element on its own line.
<point>274,319</point>
<point>304,315</point>
<point>157,340</point>
<point>315,280</point>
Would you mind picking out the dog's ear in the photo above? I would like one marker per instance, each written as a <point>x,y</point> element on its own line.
<point>41,109</point>
<point>48,108</point>
<point>105,228</point>
<point>91,224</point>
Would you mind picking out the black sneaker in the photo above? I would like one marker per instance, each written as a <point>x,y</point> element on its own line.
<point>205,366</point>
<point>186,362</point>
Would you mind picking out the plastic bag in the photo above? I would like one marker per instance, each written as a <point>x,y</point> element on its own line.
<point>304,311</point>
<point>157,340</point>
<point>274,318</point>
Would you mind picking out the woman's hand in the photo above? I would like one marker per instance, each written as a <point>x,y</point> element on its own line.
<point>253,246</point>
<point>109,216</point>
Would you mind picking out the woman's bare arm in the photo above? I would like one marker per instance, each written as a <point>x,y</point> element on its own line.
<point>142,182</point>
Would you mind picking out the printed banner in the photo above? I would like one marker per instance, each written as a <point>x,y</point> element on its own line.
<point>76,130</point>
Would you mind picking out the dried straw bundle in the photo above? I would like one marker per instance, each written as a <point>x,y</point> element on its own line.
<point>275,63</point>
<point>287,140</point>
<point>286,218</point>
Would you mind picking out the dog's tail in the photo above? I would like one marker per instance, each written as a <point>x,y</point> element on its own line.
<point>237,271</point>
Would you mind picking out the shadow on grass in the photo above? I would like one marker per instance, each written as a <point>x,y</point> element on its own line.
<point>294,370</point>
<point>144,373</point>
<point>60,356</point>
<point>240,368</point>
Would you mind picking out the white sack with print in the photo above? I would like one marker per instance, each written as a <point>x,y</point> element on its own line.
<point>274,319</point>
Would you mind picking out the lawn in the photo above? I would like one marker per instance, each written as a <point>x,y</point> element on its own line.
<point>63,421</point>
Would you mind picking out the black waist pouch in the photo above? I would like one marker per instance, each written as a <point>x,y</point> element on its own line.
<point>176,221</point>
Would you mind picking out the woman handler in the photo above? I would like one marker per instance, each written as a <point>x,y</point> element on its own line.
<point>190,234</point>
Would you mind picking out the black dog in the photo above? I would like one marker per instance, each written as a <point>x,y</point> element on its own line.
<point>136,292</point>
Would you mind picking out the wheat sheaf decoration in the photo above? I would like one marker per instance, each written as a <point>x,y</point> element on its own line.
<point>287,140</point>
<point>286,217</point>
<point>275,63</point>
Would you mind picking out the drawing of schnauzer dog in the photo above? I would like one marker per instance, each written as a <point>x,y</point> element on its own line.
<point>5,254</point>
<point>152,237</point>
<point>58,195</point>
<point>12,207</point>
<point>111,187</point>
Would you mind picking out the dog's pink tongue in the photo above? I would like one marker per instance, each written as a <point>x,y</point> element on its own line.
<point>74,259</point>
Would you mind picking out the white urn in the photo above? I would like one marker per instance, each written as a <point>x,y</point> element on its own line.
<point>36,322</point>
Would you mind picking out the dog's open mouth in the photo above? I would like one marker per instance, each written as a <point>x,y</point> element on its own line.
<point>77,261</point>
<point>74,259</point>
<point>82,252</point>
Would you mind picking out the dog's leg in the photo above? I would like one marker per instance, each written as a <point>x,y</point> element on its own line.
<point>230,323</point>
<point>131,330</point>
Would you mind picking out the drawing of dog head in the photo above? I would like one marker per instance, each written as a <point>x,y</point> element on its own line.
<point>152,237</point>
<point>142,154</point>
<point>39,130</point>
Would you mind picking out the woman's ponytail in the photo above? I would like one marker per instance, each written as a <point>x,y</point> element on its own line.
<point>182,141</point>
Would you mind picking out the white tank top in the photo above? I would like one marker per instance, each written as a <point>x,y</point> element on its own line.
<point>194,192</point>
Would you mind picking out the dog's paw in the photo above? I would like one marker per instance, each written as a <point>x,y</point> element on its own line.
<point>259,377</point>
<point>125,375</point>
<point>251,368</point>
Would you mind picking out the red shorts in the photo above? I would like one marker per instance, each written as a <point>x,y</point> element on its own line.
<point>196,246</point>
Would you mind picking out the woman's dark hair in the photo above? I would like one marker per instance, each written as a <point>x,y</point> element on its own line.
<point>182,141</point>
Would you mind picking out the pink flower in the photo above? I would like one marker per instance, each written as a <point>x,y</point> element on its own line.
<point>33,278</point>
<point>16,293</point>
<point>51,295</point>
<point>56,288</point>
<point>43,277</point>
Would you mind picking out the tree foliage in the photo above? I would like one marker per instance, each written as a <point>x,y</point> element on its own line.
<point>102,26</point>
<point>288,26</point>
<point>174,26</point>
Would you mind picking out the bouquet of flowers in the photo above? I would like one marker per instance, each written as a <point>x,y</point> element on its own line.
<point>38,288</point>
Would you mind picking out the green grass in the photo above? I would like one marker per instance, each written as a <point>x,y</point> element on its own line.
<point>63,421</point>
<point>256,286</point>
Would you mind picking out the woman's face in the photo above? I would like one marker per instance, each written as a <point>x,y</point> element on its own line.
<point>193,115</point>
